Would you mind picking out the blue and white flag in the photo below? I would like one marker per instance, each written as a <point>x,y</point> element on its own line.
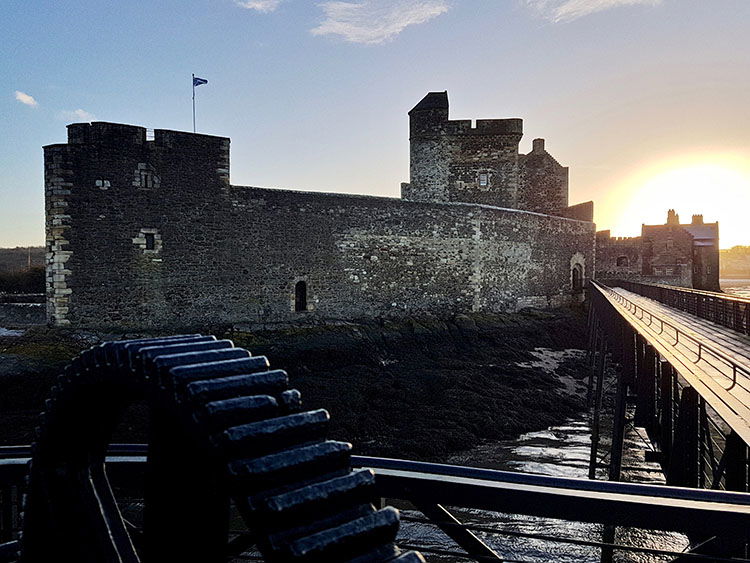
<point>198,81</point>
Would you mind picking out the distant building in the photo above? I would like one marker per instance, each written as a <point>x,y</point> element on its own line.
<point>674,254</point>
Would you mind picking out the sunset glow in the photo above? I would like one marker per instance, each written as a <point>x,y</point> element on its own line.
<point>716,186</point>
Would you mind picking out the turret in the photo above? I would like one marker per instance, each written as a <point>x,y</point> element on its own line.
<point>430,115</point>
<point>456,161</point>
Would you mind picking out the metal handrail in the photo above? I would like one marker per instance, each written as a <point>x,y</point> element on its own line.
<point>657,507</point>
<point>714,294</point>
<point>730,311</point>
<point>634,308</point>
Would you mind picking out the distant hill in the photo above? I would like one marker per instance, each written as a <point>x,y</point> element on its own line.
<point>17,259</point>
<point>735,262</point>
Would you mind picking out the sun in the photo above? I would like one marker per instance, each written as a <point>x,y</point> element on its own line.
<point>715,186</point>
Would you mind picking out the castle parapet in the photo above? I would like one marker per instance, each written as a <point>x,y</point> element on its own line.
<point>461,161</point>
<point>104,132</point>
<point>100,143</point>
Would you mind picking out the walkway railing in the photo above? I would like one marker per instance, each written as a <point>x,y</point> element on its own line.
<point>703,352</point>
<point>697,427</point>
<point>718,515</point>
<point>727,310</point>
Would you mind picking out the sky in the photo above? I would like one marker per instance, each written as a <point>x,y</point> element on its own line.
<point>645,100</point>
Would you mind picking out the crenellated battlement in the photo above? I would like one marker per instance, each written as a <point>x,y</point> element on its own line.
<point>144,230</point>
<point>512,126</point>
<point>105,132</point>
<point>605,237</point>
<point>478,162</point>
<point>429,118</point>
<point>106,147</point>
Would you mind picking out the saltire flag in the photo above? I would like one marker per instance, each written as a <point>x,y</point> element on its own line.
<point>198,81</point>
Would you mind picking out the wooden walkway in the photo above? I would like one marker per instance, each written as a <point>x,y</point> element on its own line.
<point>711,358</point>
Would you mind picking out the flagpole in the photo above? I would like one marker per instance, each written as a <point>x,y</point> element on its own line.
<point>193,82</point>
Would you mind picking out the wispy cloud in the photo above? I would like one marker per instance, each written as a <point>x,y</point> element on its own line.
<point>264,6</point>
<point>77,115</point>
<point>376,21</point>
<point>25,99</point>
<point>568,10</point>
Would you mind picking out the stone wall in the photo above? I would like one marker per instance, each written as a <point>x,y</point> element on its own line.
<point>543,182</point>
<point>618,257</point>
<point>667,252</point>
<point>455,161</point>
<point>152,235</point>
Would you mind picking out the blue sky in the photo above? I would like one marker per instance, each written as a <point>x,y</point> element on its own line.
<point>314,95</point>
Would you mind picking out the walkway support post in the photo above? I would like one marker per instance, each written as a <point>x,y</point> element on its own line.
<point>683,467</point>
<point>737,464</point>
<point>666,411</point>
<point>601,367</point>
<point>645,410</point>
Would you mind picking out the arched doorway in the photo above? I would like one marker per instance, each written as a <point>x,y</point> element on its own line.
<point>576,274</point>
<point>300,296</point>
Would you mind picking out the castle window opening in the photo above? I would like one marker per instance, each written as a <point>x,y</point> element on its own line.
<point>150,241</point>
<point>300,296</point>
<point>484,179</point>
<point>623,261</point>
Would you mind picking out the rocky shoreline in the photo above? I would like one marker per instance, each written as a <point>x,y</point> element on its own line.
<point>417,388</point>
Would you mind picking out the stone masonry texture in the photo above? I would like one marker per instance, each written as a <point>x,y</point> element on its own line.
<point>150,234</point>
<point>685,255</point>
<point>453,160</point>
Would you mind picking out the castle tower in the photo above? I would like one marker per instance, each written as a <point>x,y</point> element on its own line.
<point>105,193</point>
<point>453,161</point>
<point>543,181</point>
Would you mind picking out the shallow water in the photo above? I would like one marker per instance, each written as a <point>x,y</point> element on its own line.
<point>561,451</point>
<point>741,288</point>
<point>10,332</point>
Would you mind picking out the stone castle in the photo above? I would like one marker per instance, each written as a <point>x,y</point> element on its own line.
<point>149,233</point>
<point>673,253</point>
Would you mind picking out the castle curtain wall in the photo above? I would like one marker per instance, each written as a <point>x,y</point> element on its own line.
<point>149,234</point>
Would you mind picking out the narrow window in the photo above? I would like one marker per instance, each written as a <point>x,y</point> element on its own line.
<point>484,179</point>
<point>622,261</point>
<point>150,241</point>
<point>300,297</point>
<point>668,271</point>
